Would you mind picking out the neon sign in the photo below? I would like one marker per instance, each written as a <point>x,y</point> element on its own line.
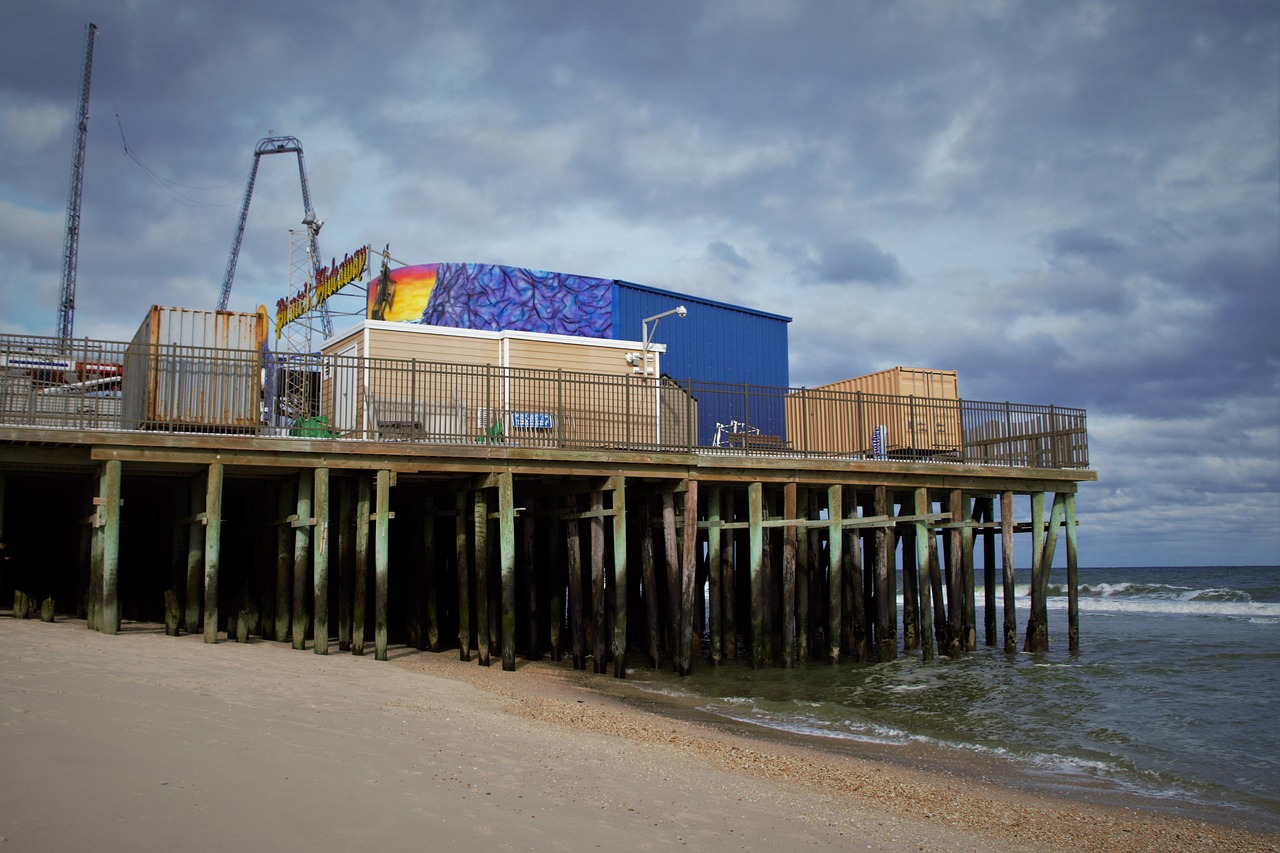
<point>328,282</point>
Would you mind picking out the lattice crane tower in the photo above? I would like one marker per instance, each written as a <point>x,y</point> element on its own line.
<point>71,246</point>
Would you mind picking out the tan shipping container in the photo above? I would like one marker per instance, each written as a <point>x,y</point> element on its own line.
<point>918,408</point>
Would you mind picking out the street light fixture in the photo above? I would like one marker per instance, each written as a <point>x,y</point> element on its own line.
<point>646,336</point>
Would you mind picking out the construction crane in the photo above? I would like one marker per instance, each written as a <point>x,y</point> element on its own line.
<point>277,145</point>
<point>71,246</point>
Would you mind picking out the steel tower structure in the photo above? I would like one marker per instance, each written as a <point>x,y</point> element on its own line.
<point>276,145</point>
<point>71,246</point>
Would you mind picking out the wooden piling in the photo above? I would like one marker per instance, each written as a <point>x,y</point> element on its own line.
<point>507,561</point>
<point>649,577</point>
<point>619,576</point>
<point>381,564</point>
<point>924,562</point>
<point>556,571</point>
<point>886,600</point>
<point>856,624</point>
<point>910,582</point>
<point>789,497</point>
<point>835,559</point>
<point>969,616</point>
<point>714,575</point>
<point>1037,639</point>
<point>728,582</point>
<point>984,511</point>
<point>286,507</point>
<point>301,554</point>
<point>195,553</point>
<point>955,577</point>
<point>212,550</point>
<point>432,571</point>
<point>671,554</point>
<point>346,561</point>
<point>480,560</point>
<point>599,612</point>
<point>803,568</point>
<point>573,550</point>
<point>111,472</point>
<point>532,586</point>
<point>360,589</point>
<point>320,562</point>
<point>1073,579</point>
<point>689,573</point>
<point>1007,564</point>
<point>172,613</point>
<point>755,520</point>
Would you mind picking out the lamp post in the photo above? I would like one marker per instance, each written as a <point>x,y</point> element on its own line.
<point>646,335</point>
<point>640,361</point>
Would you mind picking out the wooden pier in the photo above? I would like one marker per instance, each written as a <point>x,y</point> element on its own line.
<point>616,558</point>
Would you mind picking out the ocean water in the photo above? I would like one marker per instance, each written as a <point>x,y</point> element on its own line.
<point>1173,700</point>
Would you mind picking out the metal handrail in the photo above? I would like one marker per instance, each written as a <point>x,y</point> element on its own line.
<point>107,385</point>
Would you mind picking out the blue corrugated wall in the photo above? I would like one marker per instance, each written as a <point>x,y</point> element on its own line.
<point>716,343</point>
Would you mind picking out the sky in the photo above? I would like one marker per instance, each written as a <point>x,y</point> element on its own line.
<point>1069,203</point>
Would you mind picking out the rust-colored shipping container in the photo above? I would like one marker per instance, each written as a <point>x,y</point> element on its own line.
<point>196,370</point>
<point>916,410</point>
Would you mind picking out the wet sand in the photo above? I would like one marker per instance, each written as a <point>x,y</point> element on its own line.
<point>146,742</point>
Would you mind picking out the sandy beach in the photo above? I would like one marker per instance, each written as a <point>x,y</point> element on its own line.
<point>145,742</point>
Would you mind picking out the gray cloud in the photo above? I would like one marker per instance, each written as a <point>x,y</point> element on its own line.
<point>1074,203</point>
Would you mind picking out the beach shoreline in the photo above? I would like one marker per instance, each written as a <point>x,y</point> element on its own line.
<point>145,739</point>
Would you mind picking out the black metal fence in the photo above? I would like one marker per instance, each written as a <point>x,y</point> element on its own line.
<point>103,385</point>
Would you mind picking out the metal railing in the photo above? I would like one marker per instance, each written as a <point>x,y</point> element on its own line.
<point>104,385</point>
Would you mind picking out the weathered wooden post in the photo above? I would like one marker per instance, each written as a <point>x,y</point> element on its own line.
<point>382,534</point>
<point>556,571</point>
<point>195,552</point>
<point>480,559</point>
<point>462,523</point>
<point>286,505</point>
<point>533,586</point>
<point>714,575</point>
<point>1037,639</point>
<point>172,611</point>
<point>346,561</point>
<point>689,574</point>
<point>835,581</point>
<point>507,560</point>
<point>755,533</point>
<point>671,552</point>
<point>1008,565</point>
<point>728,582</point>
<point>924,538</point>
<point>985,510</point>
<point>301,553</point>
<point>599,613</point>
<point>857,625</point>
<point>619,576</point>
<point>360,595</point>
<point>966,574</point>
<point>803,557</point>
<point>1073,579</point>
<point>649,576</point>
<point>910,581</point>
<point>320,562</point>
<point>789,492</point>
<point>955,576</point>
<point>573,550</point>
<point>212,550</point>
<point>111,473</point>
<point>886,599</point>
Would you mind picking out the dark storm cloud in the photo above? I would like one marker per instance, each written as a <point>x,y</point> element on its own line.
<point>1073,203</point>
